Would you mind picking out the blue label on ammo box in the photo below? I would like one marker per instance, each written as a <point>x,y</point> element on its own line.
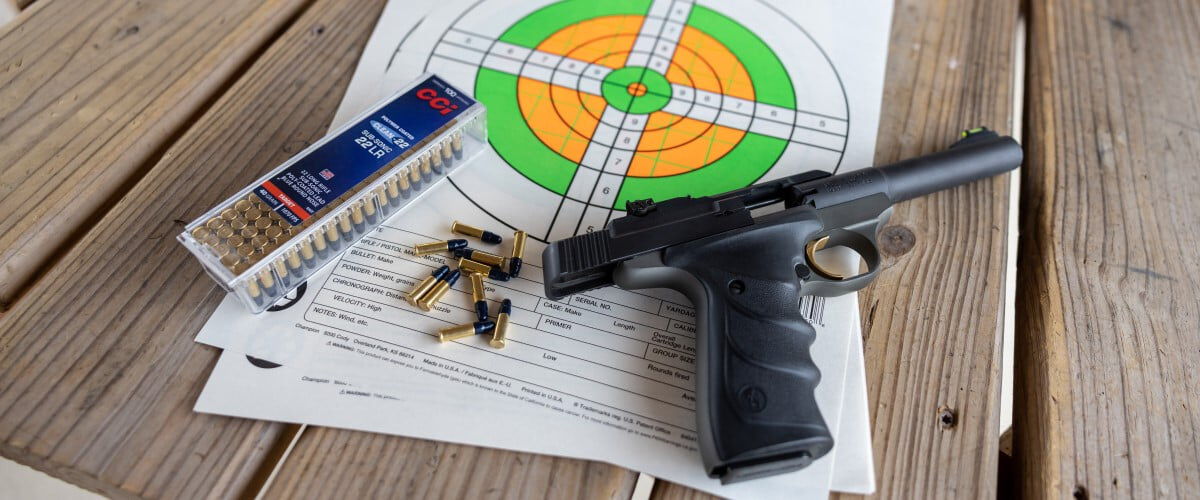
<point>335,167</point>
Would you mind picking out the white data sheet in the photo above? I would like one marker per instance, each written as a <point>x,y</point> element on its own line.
<point>241,388</point>
<point>609,372</point>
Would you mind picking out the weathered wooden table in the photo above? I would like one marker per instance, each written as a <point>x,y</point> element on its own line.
<point>121,120</point>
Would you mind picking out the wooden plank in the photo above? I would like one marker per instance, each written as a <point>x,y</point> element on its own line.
<point>932,322</point>
<point>90,94</point>
<point>100,371</point>
<point>333,463</point>
<point>1108,361</point>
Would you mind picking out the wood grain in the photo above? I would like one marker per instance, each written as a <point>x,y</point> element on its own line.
<point>1108,355</point>
<point>333,463</point>
<point>90,94</point>
<point>933,319</point>
<point>100,371</point>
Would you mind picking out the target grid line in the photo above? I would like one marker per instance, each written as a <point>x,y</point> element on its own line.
<point>718,111</point>
<point>726,99</point>
<point>483,62</point>
<point>635,137</point>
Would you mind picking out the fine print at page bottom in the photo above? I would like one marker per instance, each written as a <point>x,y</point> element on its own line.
<point>246,388</point>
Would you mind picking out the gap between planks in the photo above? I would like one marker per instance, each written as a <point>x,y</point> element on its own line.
<point>261,484</point>
<point>1014,189</point>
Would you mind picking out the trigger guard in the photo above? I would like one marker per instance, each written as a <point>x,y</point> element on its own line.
<point>824,285</point>
<point>859,237</point>
<point>841,238</point>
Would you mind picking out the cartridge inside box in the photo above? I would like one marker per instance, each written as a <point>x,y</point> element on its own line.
<point>269,238</point>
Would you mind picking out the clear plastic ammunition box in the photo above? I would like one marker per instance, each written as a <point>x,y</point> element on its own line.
<point>273,235</point>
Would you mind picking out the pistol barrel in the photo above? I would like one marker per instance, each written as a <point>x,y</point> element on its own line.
<point>979,155</point>
<point>968,161</point>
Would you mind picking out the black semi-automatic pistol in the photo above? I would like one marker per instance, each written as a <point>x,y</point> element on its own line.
<point>755,408</point>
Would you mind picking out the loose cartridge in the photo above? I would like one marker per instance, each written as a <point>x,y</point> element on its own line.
<point>273,235</point>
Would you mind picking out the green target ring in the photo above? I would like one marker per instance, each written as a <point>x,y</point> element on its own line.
<point>552,158</point>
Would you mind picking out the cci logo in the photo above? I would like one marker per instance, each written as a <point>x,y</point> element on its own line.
<point>441,104</point>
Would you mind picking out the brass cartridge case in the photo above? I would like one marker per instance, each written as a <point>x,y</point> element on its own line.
<point>473,267</point>
<point>500,332</point>
<point>518,250</point>
<point>477,290</point>
<point>490,259</point>
<point>414,296</point>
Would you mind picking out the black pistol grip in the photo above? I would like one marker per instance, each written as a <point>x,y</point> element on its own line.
<point>756,410</point>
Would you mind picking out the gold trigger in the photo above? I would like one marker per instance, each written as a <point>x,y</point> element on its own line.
<point>811,250</point>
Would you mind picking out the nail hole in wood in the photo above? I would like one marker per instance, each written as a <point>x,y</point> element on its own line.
<point>947,418</point>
